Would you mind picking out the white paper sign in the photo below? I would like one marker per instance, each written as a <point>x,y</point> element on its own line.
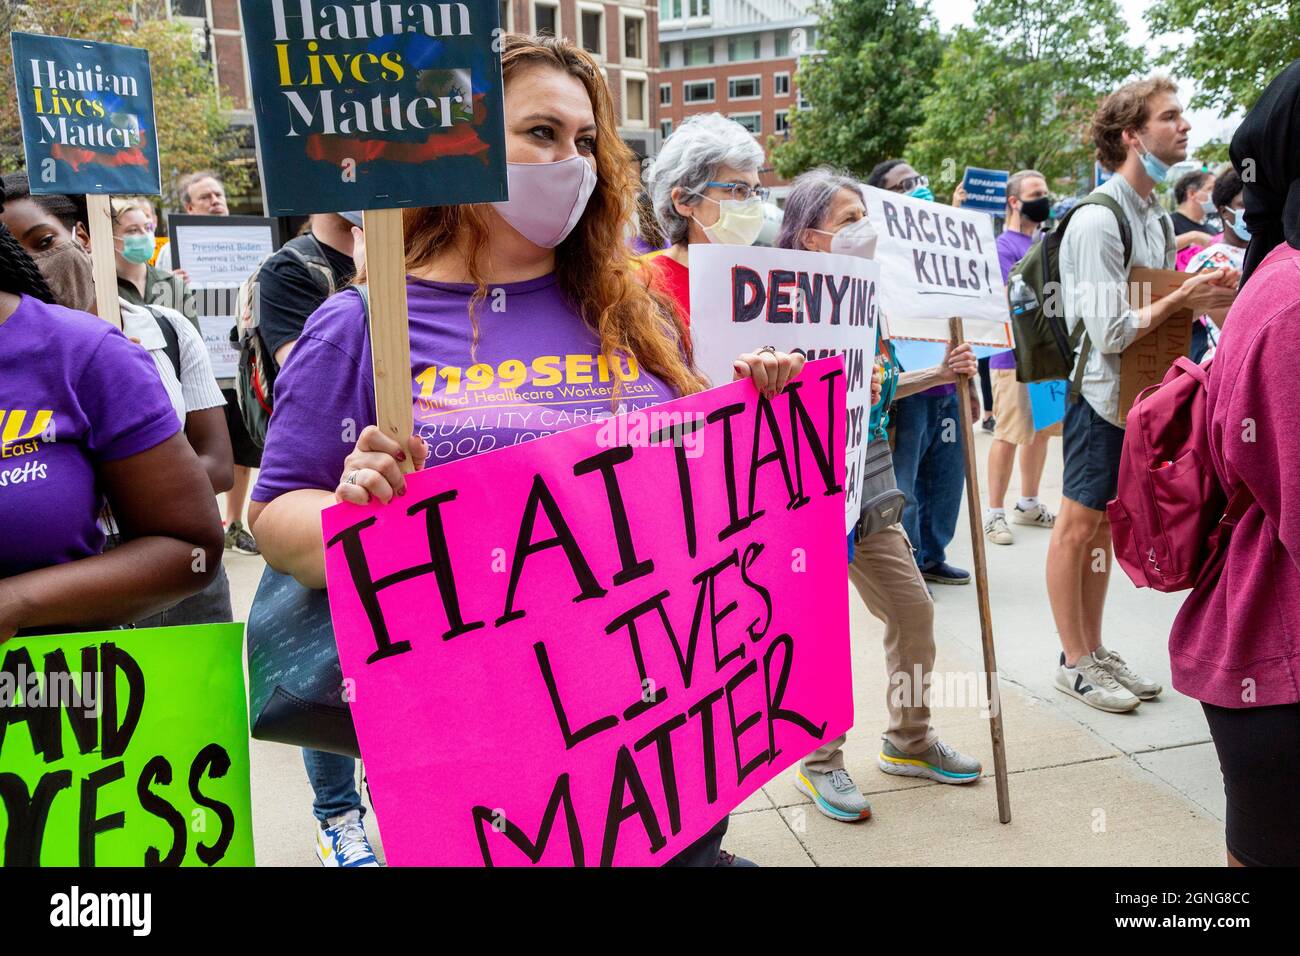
<point>218,258</point>
<point>216,336</point>
<point>745,297</point>
<point>938,262</point>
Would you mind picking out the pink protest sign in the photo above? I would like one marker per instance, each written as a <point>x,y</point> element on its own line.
<point>587,649</point>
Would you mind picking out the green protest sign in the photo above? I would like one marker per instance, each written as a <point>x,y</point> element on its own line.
<point>125,748</point>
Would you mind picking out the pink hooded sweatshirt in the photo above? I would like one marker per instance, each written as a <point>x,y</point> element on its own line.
<point>1236,641</point>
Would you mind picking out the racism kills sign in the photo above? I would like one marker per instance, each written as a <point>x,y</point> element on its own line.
<point>645,619</point>
<point>87,116</point>
<point>376,105</point>
<point>938,262</point>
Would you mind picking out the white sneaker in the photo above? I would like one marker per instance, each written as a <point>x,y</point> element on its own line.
<point>1094,684</point>
<point>1142,687</point>
<point>344,842</point>
<point>1037,516</point>
<point>996,530</point>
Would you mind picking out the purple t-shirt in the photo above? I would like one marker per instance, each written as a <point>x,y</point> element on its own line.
<point>1012,246</point>
<point>74,393</point>
<point>537,370</point>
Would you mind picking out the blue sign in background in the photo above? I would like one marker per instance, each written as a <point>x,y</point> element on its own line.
<point>986,190</point>
<point>376,106</point>
<point>87,116</point>
<point>1047,399</point>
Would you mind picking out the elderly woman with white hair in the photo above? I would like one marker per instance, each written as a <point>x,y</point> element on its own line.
<point>705,188</point>
<point>826,212</point>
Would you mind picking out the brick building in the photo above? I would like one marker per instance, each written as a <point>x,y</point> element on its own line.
<point>734,57</point>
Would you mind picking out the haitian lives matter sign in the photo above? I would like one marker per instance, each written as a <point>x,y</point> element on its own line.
<point>376,105</point>
<point>125,748</point>
<point>87,116</point>
<point>644,619</point>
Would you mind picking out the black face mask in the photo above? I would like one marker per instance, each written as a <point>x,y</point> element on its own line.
<point>1036,210</point>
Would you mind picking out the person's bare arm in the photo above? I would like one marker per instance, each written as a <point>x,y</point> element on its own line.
<point>956,362</point>
<point>288,533</point>
<point>164,506</point>
<point>210,438</point>
<point>282,353</point>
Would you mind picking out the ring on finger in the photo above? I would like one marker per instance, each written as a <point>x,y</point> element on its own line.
<point>767,348</point>
<point>351,479</point>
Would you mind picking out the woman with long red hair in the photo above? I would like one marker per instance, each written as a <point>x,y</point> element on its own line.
<point>525,297</point>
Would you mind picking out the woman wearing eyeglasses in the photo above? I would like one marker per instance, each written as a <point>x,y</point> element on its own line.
<point>705,188</point>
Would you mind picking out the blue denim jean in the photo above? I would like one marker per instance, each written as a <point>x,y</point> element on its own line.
<point>334,779</point>
<point>931,472</point>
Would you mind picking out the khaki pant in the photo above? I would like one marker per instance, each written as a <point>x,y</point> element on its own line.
<point>885,574</point>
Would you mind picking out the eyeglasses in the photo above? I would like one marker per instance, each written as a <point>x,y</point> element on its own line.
<point>742,191</point>
<point>910,183</point>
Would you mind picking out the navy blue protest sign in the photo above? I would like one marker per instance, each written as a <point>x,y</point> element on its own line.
<point>87,116</point>
<point>376,105</point>
<point>986,190</point>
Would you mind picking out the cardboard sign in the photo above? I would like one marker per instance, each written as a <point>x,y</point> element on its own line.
<point>938,262</point>
<point>377,105</point>
<point>1145,362</point>
<point>986,190</point>
<point>745,297</point>
<point>125,748</point>
<point>219,253</point>
<point>644,619</point>
<point>87,116</point>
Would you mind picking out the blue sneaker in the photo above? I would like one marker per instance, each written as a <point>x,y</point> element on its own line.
<point>344,842</point>
<point>941,573</point>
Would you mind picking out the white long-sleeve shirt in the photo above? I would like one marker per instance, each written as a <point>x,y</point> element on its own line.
<point>1094,281</point>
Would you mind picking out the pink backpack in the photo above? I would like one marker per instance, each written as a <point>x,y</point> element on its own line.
<point>1170,518</point>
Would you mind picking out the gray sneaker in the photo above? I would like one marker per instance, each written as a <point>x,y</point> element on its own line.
<point>940,762</point>
<point>1095,685</point>
<point>237,539</point>
<point>834,794</point>
<point>1142,687</point>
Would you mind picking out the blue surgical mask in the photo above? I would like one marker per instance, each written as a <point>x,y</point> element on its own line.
<point>1155,168</point>
<point>922,192</point>
<point>1238,225</point>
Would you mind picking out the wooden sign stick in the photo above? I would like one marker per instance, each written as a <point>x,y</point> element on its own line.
<point>103,265</point>
<point>390,336</point>
<point>974,510</point>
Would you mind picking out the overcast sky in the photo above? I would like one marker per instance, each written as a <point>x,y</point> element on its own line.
<point>1206,124</point>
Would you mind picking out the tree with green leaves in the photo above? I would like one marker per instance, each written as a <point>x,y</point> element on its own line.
<point>1235,48</point>
<point>193,131</point>
<point>1016,90</point>
<point>865,86</point>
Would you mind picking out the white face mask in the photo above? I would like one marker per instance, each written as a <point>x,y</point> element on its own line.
<point>739,223</point>
<point>547,199</point>
<point>856,239</point>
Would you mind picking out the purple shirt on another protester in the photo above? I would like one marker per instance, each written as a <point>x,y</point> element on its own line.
<point>1012,246</point>
<point>75,393</point>
<point>537,369</point>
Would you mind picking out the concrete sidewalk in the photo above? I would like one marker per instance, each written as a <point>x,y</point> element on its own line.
<point>1087,788</point>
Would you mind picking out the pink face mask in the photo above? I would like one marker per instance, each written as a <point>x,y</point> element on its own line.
<point>547,199</point>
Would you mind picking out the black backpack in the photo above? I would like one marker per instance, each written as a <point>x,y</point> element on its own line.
<point>255,381</point>
<point>1044,345</point>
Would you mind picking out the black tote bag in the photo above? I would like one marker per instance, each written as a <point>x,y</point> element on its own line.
<point>295,684</point>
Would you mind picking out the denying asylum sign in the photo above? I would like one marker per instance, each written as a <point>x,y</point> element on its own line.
<point>642,628</point>
<point>376,105</point>
<point>938,262</point>
<point>745,297</point>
